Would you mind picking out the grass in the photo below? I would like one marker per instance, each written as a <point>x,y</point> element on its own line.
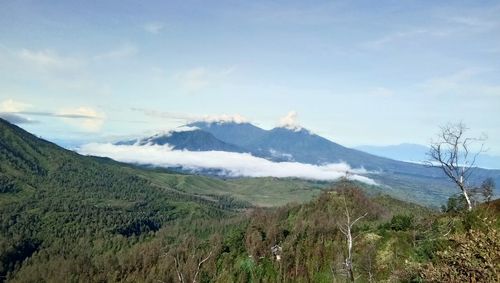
<point>264,192</point>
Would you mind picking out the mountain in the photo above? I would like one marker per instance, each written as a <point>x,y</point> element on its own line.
<point>193,140</point>
<point>404,152</point>
<point>301,145</point>
<point>306,147</point>
<point>278,144</point>
<point>241,134</point>
<point>418,153</point>
<point>405,180</point>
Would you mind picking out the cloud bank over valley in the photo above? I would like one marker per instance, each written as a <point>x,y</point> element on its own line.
<point>231,163</point>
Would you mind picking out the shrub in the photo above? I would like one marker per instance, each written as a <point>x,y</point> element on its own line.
<point>471,257</point>
<point>401,222</point>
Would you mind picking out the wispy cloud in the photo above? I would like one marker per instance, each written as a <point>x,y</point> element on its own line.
<point>445,26</point>
<point>10,105</point>
<point>121,52</point>
<point>166,115</point>
<point>49,60</point>
<point>381,92</point>
<point>154,27</point>
<point>88,119</point>
<point>394,37</point>
<point>232,164</point>
<point>452,81</point>
<point>57,115</point>
<point>188,118</point>
<point>51,69</point>
<point>16,119</point>
<point>200,78</point>
<point>462,82</point>
<point>474,22</point>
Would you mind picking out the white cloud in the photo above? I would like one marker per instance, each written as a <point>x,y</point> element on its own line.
<point>462,82</point>
<point>290,121</point>
<point>224,118</point>
<point>233,164</point>
<point>12,106</point>
<point>167,133</point>
<point>121,52</point>
<point>154,27</point>
<point>88,119</point>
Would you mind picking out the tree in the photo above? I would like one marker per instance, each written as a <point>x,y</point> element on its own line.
<point>452,153</point>
<point>190,257</point>
<point>487,188</point>
<point>346,229</point>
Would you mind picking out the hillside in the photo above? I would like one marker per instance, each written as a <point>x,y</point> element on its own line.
<point>52,200</point>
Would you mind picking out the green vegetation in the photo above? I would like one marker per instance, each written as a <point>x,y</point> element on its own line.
<point>69,218</point>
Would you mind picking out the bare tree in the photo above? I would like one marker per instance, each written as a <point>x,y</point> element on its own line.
<point>452,153</point>
<point>346,229</point>
<point>190,257</point>
<point>178,268</point>
<point>487,188</point>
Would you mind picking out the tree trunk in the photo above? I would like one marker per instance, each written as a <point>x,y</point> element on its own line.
<point>469,205</point>
<point>349,252</point>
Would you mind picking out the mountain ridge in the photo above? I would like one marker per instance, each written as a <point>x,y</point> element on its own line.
<point>418,181</point>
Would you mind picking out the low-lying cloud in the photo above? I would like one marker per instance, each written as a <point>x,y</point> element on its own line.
<point>16,119</point>
<point>231,163</point>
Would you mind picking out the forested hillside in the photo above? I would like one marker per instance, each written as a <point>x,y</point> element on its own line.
<point>57,206</point>
<point>70,218</point>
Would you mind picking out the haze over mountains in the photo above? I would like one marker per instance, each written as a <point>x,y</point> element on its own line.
<point>418,153</point>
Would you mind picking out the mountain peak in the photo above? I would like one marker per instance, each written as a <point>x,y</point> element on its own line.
<point>290,122</point>
<point>222,119</point>
<point>294,129</point>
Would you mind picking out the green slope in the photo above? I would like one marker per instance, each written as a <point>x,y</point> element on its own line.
<point>52,198</point>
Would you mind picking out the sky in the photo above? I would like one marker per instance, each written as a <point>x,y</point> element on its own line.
<point>356,72</point>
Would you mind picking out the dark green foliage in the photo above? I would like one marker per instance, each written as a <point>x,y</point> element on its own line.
<point>455,204</point>
<point>7,185</point>
<point>401,222</point>
<point>80,207</point>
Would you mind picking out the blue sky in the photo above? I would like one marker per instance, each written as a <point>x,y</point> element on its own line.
<point>357,72</point>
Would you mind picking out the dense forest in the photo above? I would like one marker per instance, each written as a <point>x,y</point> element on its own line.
<point>70,218</point>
